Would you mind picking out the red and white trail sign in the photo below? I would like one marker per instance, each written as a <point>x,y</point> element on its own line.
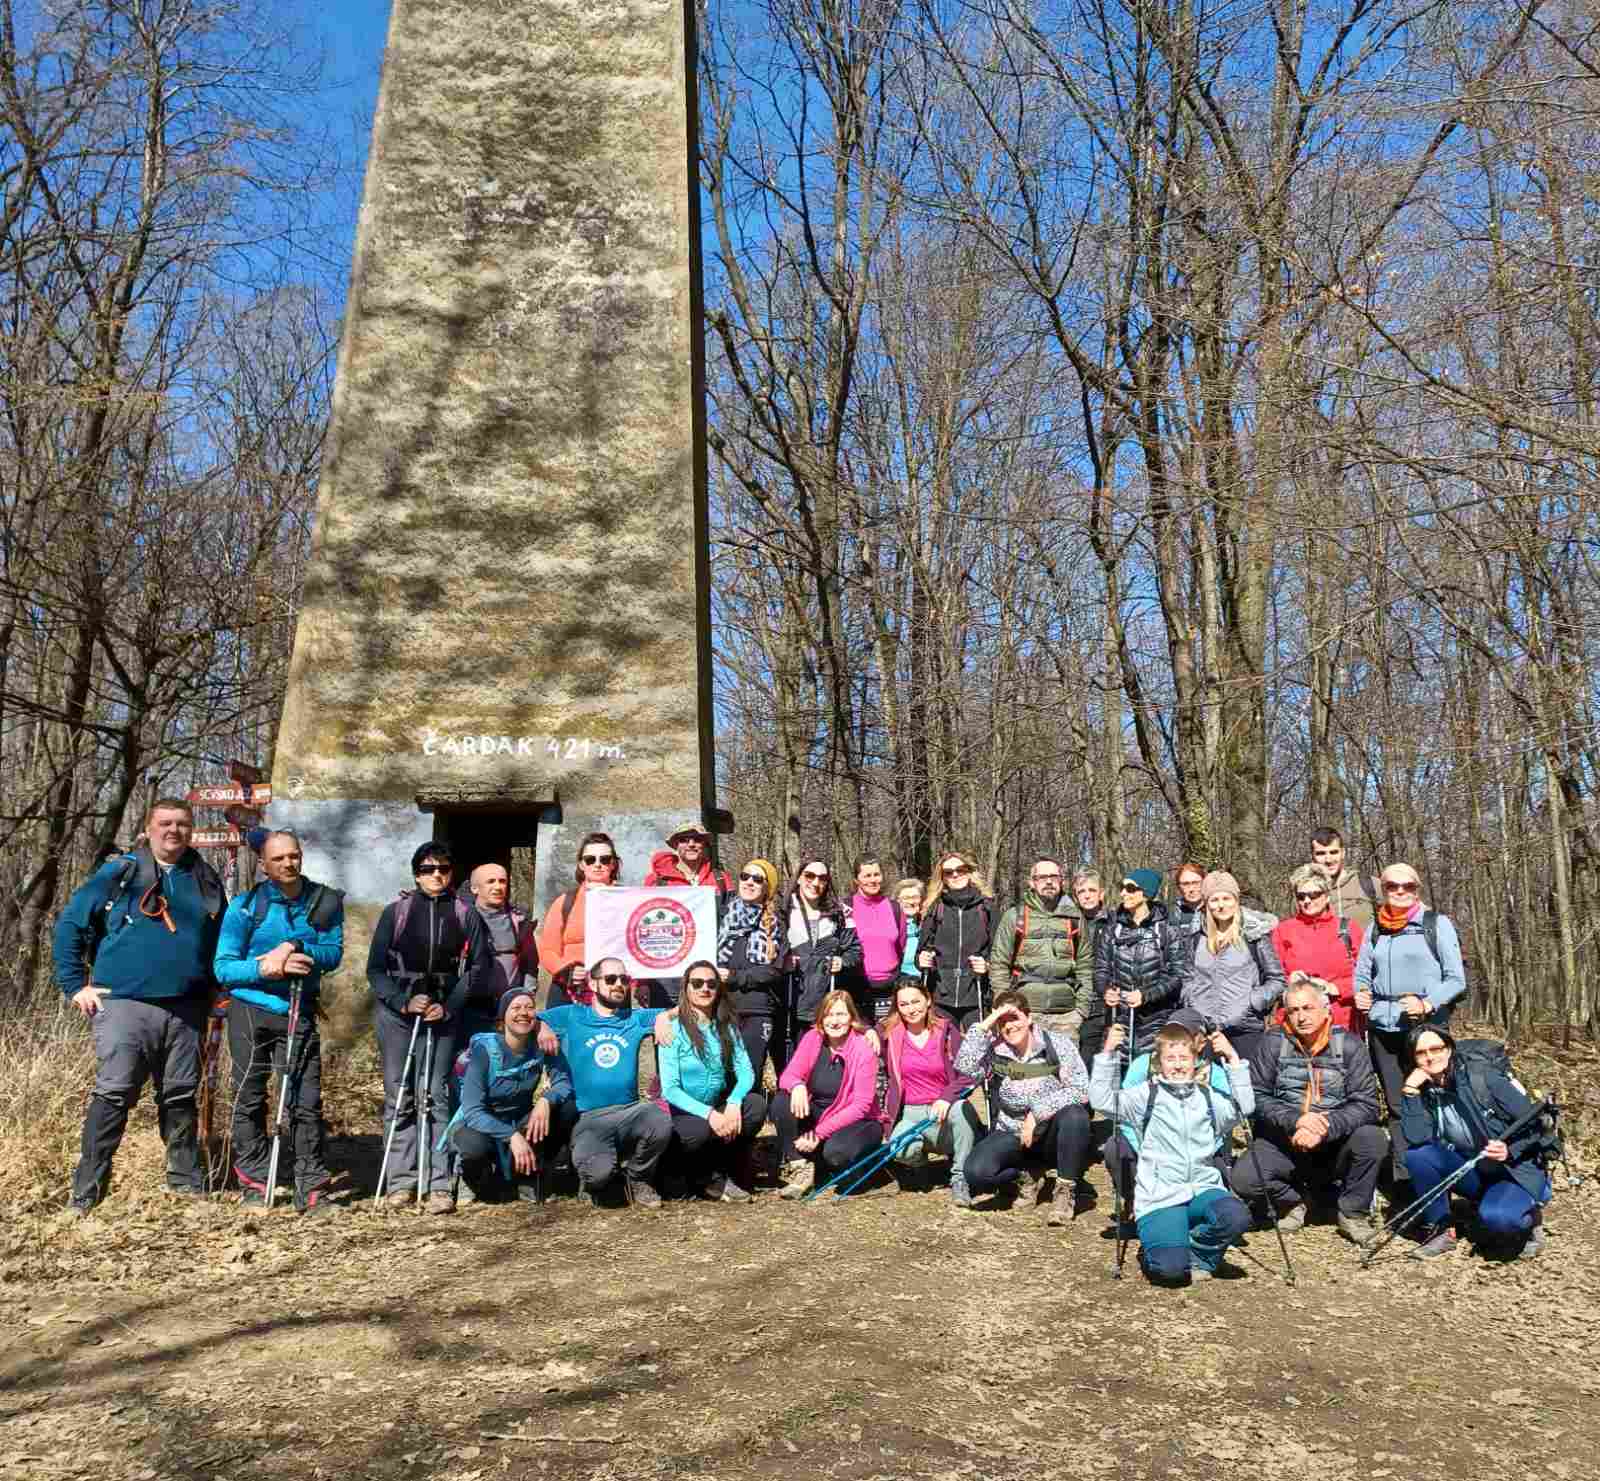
<point>257,796</point>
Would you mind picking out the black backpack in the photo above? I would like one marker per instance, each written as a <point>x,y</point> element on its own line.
<point>322,907</point>
<point>1012,1070</point>
<point>1474,1060</point>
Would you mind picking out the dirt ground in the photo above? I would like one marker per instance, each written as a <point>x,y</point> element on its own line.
<point>887,1337</point>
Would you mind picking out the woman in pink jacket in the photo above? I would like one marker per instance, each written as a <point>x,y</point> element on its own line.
<point>826,1106</point>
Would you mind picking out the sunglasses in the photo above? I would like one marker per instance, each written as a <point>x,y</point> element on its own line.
<point>709,984</point>
<point>433,869</point>
<point>955,871</point>
<point>757,878</point>
<point>599,859</point>
<point>1399,887</point>
<point>813,874</point>
<point>1130,888</point>
<point>1309,894</point>
<point>611,979</point>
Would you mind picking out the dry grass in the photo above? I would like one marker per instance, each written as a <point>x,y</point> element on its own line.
<point>47,1068</point>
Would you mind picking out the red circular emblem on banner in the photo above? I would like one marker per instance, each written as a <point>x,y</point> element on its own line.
<point>660,933</point>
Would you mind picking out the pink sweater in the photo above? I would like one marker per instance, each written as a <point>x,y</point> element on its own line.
<point>881,929</point>
<point>856,1093</point>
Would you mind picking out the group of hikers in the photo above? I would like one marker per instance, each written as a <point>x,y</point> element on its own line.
<point>1021,1045</point>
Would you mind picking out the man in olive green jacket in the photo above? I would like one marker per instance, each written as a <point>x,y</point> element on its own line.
<point>1045,950</point>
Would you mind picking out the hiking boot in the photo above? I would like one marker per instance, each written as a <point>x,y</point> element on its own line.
<point>960,1194</point>
<point>1028,1187</point>
<point>1434,1240</point>
<point>315,1203</point>
<point>187,1191</point>
<point>1357,1228</point>
<point>1056,1216</point>
<point>643,1194</point>
<point>440,1203</point>
<point>1224,1271</point>
<point>527,1192</point>
<point>586,1198</point>
<point>1084,1197</point>
<point>733,1193</point>
<point>1293,1219</point>
<point>1533,1246</point>
<point>799,1177</point>
<point>399,1197</point>
<point>468,1194</point>
<point>253,1198</point>
<point>80,1208</point>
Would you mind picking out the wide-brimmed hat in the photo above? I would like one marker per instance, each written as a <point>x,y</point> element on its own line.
<point>688,830</point>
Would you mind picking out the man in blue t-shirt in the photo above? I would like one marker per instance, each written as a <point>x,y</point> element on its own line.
<point>599,1046</point>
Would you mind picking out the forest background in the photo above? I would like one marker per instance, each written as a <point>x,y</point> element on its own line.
<point>1140,431</point>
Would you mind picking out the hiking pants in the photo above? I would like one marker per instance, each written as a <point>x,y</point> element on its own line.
<point>1505,1208</point>
<point>702,1155</point>
<point>1061,1143</point>
<point>135,1041</point>
<point>766,1036</point>
<point>486,1159</point>
<point>1196,1232</point>
<point>394,1037</point>
<point>1287,1176</point>
<point>957,1135</point>
<point>256,1044</point>
<point>634,1136</point>
<point>836,1152</point>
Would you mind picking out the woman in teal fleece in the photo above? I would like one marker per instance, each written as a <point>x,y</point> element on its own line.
<point>708,1084</point>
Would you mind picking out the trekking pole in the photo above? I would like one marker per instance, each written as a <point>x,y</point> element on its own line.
<point>425,1116</point>
<point>1289,1277</point>
<point>284,1084</point>
<point>880,1155</point>
<point>1119,1207</point>
<point>1411,1210</point>
<point>399,1106</point>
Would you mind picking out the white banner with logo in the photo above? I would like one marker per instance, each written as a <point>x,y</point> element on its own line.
<point>653,932</point>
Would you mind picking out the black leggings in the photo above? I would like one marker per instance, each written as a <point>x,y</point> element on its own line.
<point>766,1036</point>
<point>700,1154</point>
<point>837,1151</point>
<point>1062,1142</point>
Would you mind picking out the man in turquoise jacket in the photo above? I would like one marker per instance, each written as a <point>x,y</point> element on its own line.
<point>287,930</point>
<point>133,954</point>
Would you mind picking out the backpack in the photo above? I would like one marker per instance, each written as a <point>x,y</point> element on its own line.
<point>1217,1082</point>
<point>403,911</point>
<point>1476,1060</point>
<point>140,873</point>
<point>1073,935</point>
<point>1010,1069</point>
<point>324,904</point>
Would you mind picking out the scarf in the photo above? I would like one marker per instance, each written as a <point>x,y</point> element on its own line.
<point>964,898</point>
<point>1395,920</point>
<point>1311,1048</point>
<point>742,918</point>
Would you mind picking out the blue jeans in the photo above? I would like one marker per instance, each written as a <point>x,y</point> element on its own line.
<point>1196,1232</point>
<point>1505,1207</point>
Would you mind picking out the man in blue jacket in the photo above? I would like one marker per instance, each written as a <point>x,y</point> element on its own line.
<point>599,1048</point>
<point>133,952</point>
<point>287,929</point>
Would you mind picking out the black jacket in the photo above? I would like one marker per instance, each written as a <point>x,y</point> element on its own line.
<point>444,951</point>
<point>809,962</point>
<point>956,932</point>
<point>1147,959</point>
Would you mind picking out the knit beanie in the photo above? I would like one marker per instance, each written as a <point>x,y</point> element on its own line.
<point>509,996</point>
<point>769,871</point>
<point>1148,880</point>
<point>1219,882</point>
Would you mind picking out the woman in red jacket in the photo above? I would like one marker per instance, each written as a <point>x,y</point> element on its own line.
<point>1322,944</point>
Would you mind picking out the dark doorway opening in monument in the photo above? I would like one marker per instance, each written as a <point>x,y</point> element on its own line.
<point>482,835</point>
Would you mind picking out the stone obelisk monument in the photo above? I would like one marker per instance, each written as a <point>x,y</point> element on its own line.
<point>505,626</point>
